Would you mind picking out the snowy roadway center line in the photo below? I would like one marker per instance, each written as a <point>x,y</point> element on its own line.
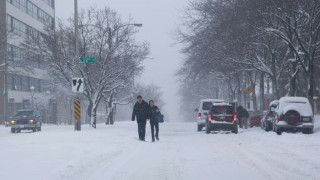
<point>114,152</point>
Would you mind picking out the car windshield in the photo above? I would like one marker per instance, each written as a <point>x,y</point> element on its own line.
<point>206,105</point>
<point>24,113</point>
<point>222,110</point>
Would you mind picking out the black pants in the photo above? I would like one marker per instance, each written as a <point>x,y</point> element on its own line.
<point>142,129</point>
<point>154,125</point>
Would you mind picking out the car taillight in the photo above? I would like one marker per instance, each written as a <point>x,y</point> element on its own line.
<point>199,115</point>
<point>234,117</point>
<point>209,116</point>
<point>280,118</point>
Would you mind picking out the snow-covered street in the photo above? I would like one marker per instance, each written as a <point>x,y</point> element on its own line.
<point>114,152</point>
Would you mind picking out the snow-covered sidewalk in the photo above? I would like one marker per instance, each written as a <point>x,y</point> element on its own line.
<point>114,152</point>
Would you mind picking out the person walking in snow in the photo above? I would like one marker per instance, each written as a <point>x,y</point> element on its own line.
<point>141,112</point>
<point>243,116</point>
<point>153,123</point>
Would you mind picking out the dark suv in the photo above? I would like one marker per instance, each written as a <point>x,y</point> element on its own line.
<point>25,120</point>
<point>221,116</point>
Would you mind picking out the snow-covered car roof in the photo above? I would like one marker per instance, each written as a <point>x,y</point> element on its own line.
<point>221,104</point>
<point>299,104</point>
<point>275,103</point>
<point>212,100</point>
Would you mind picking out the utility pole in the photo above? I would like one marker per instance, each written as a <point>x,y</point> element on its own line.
<point>77,124</point>
<point>3,64</point>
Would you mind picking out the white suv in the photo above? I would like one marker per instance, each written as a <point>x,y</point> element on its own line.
<point>203,110</point>
<point>294,114</point>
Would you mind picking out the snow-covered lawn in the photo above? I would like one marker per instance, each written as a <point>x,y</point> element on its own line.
<point>114,152</point>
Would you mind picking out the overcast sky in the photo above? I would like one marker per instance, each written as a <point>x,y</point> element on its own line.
<point>159,18</point>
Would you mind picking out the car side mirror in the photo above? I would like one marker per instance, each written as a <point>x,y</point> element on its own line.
<point>272,109</point>
<point>196,110</point>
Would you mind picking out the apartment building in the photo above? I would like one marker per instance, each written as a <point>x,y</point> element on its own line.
<point>24,80</point>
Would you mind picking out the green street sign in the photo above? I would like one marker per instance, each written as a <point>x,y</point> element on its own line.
<point>87,59</point>
<point>2,92</point>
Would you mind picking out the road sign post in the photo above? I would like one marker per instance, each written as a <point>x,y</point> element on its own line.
<point>77,114</point>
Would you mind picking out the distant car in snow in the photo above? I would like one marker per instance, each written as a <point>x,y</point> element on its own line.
<point>221,116</point>
<point>266,121</point>
<point>293,114</point>
<point>203,109</point>
<point>254,119</point>
<point>25,120</point>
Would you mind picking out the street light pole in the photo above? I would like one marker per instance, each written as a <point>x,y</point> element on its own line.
<point>77,124</point>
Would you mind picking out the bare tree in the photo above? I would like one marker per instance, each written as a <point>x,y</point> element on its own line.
<point>102,35</point>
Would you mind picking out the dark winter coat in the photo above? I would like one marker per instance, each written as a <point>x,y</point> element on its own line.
<point>241,112</point>
<point>141,111</point>
<point>153,112</point>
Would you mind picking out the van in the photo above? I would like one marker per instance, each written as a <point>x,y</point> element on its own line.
<point>203,109</point>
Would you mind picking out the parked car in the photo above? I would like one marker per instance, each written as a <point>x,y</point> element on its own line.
<point>254,119</point>
<point>26,120</point>
<point>221,116</point>
<point>203,109</point>
<point>266,121</point>
<point>293,114</point>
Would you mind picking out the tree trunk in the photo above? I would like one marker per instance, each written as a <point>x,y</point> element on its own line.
<point>93,119</point>
<point>89,110</point>
<point>310,77</point>
<point>275,89</point>
<point>262,107</point>
<point>253,85</point>
<point>239,90</point>
<point>292,88</point>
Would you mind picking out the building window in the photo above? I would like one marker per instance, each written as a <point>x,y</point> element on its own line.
<point>10,82</point>
<point>49,3</point>
<point>17,83</point>
<point>9,23</point>
<point>19,28</point>
<point>25,82</point>
<point>33,11</point>
<point>35,83</point>
<point>9,52</point>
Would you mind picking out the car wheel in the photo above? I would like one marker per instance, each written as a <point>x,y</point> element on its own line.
<point>307,131</point>
<point>235,129</point>
<point>18,130</point>
<point>34,129</point>
<point>278,131</point>
<point>207,129</point>
<point>266,126</point>
<point>199,127</point>
<point>39,129</point>
<point>13,130</point>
